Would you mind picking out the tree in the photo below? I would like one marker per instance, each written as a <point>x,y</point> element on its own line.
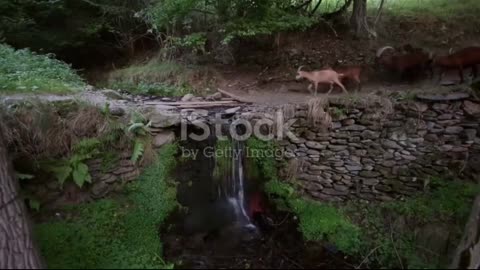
<point>467,255</point>
<point>17,247</point>
<point>359,21</point>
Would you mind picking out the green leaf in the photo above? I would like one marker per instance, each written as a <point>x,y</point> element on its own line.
<point>81,175</point>
<point>34,204</point>
<point>138,150</point>
<point>61,173</point>
<point>23,176</point>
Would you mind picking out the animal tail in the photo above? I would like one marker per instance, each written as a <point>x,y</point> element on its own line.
<point>341,75</point>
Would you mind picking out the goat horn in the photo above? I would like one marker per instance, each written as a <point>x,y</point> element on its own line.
<point>381,50</point>
<point>299,68</point>
<point>450,51</point>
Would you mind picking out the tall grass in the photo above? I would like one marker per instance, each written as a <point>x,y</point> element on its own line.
<point>442,9</point>
<point>155,77</point>
<point>26,71</point>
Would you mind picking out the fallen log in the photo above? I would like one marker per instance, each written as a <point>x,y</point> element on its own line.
<point>180,103</point>
<point>235,97</point>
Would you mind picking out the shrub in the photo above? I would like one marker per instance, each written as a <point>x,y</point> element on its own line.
<point>115,234</point>
<point>26,71</point>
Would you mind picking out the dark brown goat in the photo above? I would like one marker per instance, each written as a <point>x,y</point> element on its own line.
<point>416,60</point>
<point>464,58</point>
<point>351,73</point>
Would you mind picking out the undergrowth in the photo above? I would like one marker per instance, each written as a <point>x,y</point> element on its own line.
<point>155,77</point>
<point>115,233</point>
<point>379,234</point>
<point>26,71</point>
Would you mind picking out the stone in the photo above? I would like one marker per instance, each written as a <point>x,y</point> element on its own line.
<point>471,108</point>
<point>389,163</point>
<point>309,177</point>
<point>339,141</point>
<point>453,130</point>
<point>108,178</point>
<point>163,119</point>
<point>319,168</point>
<point>431,137</point>
<point>123,170</point>
<point>334,192</point>
<point>187,97</point>
<point>117,111</point>
<point>361,152</point>
<point>355,139</point>
<point>416,140</point>
<point>315,145</point>
<point>352,168</point>
<point>348,122</point>
<point>216,96</point>
<point>338,163</point>
<point>391,144</point>
<point>324,197</point>
<point>355,128</point>
<point>336,125</point>
<point>100,189</point>
<point>444,97</point>
<point>409,157</point>
<point>232,110</point>
<point>370,181</point>
<point>111,94</point>
<point>470,134</point>
<point>163,138</point>
<point>337,147</point>
<point>445,116</point>
<point>368,134</point>
<point>313,152</point>
<point>370,174</point>
<point>297,140</point>
<point>340,187</point>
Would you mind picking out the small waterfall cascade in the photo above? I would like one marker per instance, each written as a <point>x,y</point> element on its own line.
<point>229,171</point>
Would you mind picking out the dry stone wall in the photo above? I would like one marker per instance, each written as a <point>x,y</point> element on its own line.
<point>373,153</point>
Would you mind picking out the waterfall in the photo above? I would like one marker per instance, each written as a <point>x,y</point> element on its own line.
<point>232,180</point>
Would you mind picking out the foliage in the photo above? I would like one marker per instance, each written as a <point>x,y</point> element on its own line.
<point>257,150</point>
<point>447,200</point>
<point>325,222</point>
<point>155,77</point>
<point>74,167</point>
<point>222,160</point>
<point>26,71</point>
<point>76,27</point>
<point>115,234</point>
<point>448,203</point>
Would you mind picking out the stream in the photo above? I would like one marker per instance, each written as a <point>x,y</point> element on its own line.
<point>227,221</point>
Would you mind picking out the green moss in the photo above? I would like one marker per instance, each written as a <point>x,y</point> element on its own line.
<point>323,222</point>
<point>114,234</point>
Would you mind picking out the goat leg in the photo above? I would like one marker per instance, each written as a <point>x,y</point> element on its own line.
<point>331,88</point>
<point>316,88</point>
<point>341,86</point>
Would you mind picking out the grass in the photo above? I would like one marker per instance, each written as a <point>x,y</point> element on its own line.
<point>155,77</point>
<point>367,230</point>
<point>115,234</point>
<point>23,71</point>
<point>442,9</point>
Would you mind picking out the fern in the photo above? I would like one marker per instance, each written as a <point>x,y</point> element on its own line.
<point>138,150</point>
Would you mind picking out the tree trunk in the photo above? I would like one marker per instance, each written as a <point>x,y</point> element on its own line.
<point>17,248</point>
<point>468,251</point>
<point>358,20</point>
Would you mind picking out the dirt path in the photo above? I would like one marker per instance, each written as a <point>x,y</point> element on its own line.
<point>283,89</point>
